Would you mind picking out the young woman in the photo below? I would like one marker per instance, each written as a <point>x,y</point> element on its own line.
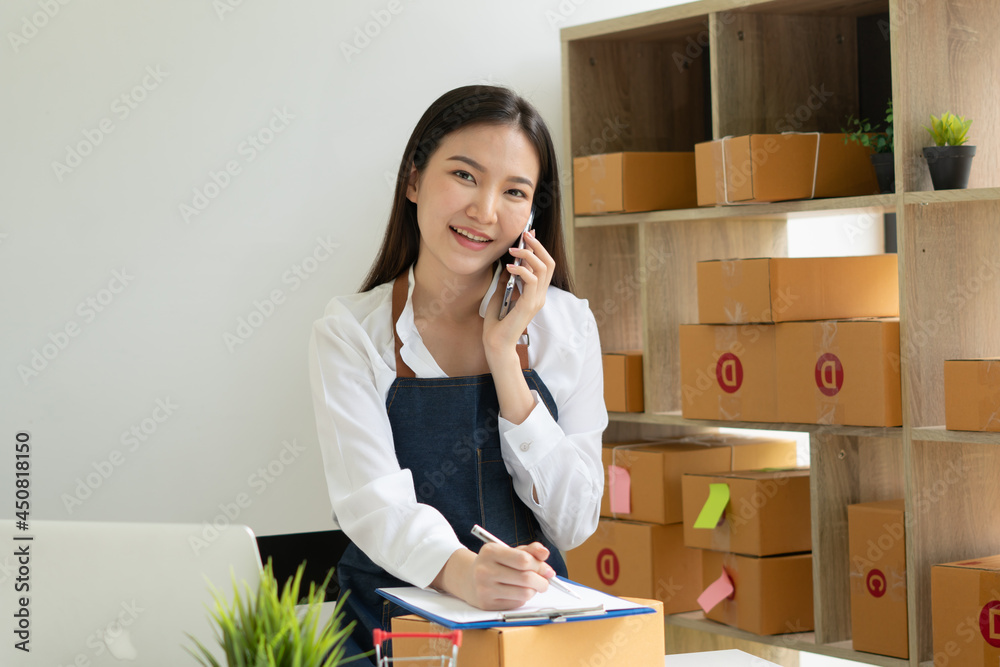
<point>434,414</point>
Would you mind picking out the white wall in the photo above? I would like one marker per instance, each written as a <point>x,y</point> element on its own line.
<point>167,287</point>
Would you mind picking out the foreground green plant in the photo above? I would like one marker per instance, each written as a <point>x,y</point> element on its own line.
<point>860,130</point>
<point>266,630</point>
<point>948,130</point>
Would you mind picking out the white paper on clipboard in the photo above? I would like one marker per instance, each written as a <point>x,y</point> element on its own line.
<point>460,612</point>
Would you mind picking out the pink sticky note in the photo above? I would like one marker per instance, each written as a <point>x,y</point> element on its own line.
<point>718,591</point>
<point>620,488</point>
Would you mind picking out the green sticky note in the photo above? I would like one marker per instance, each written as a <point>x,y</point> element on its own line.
<point>718,498</point>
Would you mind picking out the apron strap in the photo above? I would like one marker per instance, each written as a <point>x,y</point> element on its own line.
<point>400,287</point>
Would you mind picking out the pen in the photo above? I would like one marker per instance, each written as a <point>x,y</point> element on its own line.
<point>487,536</point>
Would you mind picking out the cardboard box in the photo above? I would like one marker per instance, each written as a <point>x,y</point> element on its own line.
<point>727,372</point>
<point>767,512</point>
<point>839,372</point>
<point>631,181</point>
<point>790,289</point>
<point>877,547</point>
<point>972,394</point>
<point>778,167</point>
<point>621,641</point>
<point>965,612</point>
<point>645,560</point>
<point>623,381</point>
<point>655,470</point>
<point>771,595</point>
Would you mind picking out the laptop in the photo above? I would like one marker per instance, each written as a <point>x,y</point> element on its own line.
<point>115,594</point>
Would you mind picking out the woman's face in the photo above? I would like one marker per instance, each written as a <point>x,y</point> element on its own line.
<point>474,196</point>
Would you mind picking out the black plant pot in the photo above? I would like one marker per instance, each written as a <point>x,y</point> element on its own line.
<point>885,172</point>
<point>949,166</point>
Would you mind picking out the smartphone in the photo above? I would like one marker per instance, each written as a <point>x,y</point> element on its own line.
<point>509,292</point>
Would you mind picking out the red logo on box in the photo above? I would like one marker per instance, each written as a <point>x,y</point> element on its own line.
<point>875,581</point>
<point>829,374</point>
<point>989,623</point>
<point>607,566</point>
<point>729,372</point>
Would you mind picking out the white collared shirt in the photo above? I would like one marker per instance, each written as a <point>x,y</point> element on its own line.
<point>352,363</point>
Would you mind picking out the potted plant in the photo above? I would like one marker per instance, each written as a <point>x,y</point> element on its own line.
<point>265,629</point>
<point>949,160</point>
<point>880,140</point>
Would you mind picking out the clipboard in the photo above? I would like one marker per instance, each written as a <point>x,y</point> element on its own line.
<point>551,606</point>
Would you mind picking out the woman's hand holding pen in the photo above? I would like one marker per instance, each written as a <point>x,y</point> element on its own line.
<point>499,577</point>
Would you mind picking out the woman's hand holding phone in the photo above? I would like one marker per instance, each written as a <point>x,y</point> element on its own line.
<point>535,271</point>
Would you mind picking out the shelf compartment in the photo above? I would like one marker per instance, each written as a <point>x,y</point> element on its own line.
<point>640,92</point>
<point>950,297</point>
<point>953,502</point>
<point>607,273</point>
<point>845,469</point>
<point>811,82</point>
<point>944,56</point>
<point>750,212</point>
<point>799,641</point>
<point>670,291</point>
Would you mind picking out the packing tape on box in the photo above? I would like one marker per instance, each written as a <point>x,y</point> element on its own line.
<point>725,177</point>
<point>732,277</point>
<point>989,407</point>
<point>815,160</point>
<point>828,373</point>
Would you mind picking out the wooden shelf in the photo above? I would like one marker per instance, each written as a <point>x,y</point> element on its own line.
<point>675,419</point>
<point>951,196</point>
<point>751,69</point>
<point>799,641</point>
<point>941,434</point>
<point>748,212</point>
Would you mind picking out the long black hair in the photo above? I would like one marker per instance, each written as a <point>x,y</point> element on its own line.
<point>458,108</point>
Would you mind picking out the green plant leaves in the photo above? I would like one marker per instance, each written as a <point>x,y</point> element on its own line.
<point>267,629</point>
<point>948,130</point>
<point>862,131</point>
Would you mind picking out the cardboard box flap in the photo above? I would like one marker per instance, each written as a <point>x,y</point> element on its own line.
<point>987,564</point>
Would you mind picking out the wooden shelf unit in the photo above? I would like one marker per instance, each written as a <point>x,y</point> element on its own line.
<point>670,78</point>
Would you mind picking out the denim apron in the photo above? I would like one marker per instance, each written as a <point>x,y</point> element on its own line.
<point>445,431</point>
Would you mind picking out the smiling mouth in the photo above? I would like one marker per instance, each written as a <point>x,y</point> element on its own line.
<point>469,235</point>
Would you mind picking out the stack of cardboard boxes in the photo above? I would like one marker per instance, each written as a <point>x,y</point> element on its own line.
<point>754,529</point>
<point>638,549</point>
<point>780,340</point>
